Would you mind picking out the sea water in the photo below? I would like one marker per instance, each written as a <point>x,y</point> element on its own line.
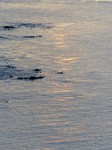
<point>69,44</point>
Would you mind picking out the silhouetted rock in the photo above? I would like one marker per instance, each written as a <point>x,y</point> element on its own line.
<point>9,66</point>
<point>30,78</point>
<point>3,38</point>
<point>11,72</point>
<point>27,25</point>
<point>35,25</point>
<point>22,78</point>
<point>31,36</point>
<point>34,78</point>
<point>37,70</point>
<point>8,27</point>
<point>11,76</point>
<point>60,72</point>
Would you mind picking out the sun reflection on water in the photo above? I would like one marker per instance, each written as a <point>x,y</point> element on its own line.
<point>60,42</point>
<point>65,57</point>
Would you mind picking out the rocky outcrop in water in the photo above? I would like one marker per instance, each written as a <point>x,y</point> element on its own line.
<point>26,25</point>
<point>31,36</point>
<point>8,27</point>
<point>11,72</point>
<point>60,72</point>
<point>30,78</point>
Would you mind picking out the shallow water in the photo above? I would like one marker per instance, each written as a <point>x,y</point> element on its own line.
<point>71,107</point>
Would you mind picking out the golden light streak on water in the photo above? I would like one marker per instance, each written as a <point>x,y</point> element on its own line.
<point>60,42</point>
<point>65,63</point>
<point>59,39</point>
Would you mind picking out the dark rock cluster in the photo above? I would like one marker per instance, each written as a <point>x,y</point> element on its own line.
<point>30,78</point>
<point>8,27</point>
<point>26,25</point>
<point>31,36</point>
<point>11,72</point>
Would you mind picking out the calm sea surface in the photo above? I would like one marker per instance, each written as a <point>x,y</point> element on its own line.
<point>67,103</point>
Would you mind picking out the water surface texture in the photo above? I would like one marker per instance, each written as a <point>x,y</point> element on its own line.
<point>55,74</point>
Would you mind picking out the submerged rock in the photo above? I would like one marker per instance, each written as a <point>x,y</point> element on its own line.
<point>3,38</point>
<point>11,72</point>
<point>11,76</point>
<point>34,78</point>
<point>10,27</point>
<point>10,66</point>
<point>30,78</point>
<point>31,36</point>
<point>60,72</point>
<point>3,101</point>
<point>37,70</point>
<point>36,25</point>
<point>27,25</point>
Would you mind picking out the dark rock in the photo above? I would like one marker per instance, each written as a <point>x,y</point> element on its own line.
<point>11,76</point>
<point>22,78</point>
<point>60,73</point>
<point>30,78</point>
<point>9,66</point>
<point>3,37</point>
<point>33,25</point>
<point>31,36</point>
<point>39,35</point>
<point>8,27</point>
<point>27,25</point>
<point>37,70</point>
<point>11,72</point>
<point>40,77</point>
<point>34,78</point>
